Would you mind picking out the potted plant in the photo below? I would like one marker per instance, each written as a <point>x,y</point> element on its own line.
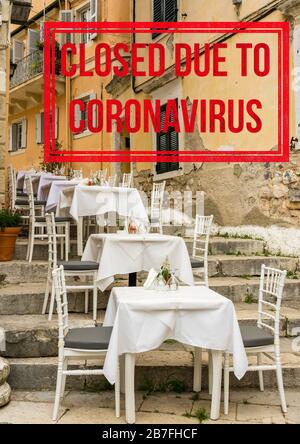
<point>10,222</point>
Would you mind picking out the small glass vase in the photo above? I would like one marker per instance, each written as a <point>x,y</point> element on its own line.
<point>173,283</point>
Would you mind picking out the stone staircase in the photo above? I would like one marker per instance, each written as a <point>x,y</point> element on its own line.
<point>234,268</point>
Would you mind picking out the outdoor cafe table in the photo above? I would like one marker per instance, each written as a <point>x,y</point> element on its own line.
<point>97,200</point>
<point>130,253</point>
<point>44,184</point>
<point>55,189</point>
<point>143,319</point>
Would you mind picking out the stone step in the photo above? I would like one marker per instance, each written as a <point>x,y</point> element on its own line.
<point>171,362</point>
<point>224,265</point>
<point>20,271</point>
<point>40,252</point>
<point>35,336</point>
<point>239,247</point>
<point>217,245</point>
<point>27,298</point>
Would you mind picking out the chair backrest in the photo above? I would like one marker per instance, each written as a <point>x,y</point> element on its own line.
<point>62,303</point>
<point>12,185</point>
<point>269,299</point>
<point>29,190</point>
<point>112,180</point>
<point>157,196</point>
<point>201,236</point>
<point>52,240</point>
<point>101,175</point>
<point>126,180</point>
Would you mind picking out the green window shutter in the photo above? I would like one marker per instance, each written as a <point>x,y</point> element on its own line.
<point>170,12</point>
<point>166,142</point>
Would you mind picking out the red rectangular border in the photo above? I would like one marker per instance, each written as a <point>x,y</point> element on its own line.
<point>279,28</point>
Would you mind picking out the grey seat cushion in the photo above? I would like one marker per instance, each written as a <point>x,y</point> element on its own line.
<point>79,265</point>
<point>256,337</point>
<point>90,338</point>
<point>57,219</point>
<point>196,263</point>
<point>21,202</point>
<point>40,202</point>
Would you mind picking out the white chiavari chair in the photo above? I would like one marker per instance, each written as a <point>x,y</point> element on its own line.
<point>157,197</point>
<point>82,269</point>
<point>126,180</point>
<point>199,259</point>
<point>37,226</point>
<point>87,343</point>
<point>264,338</point>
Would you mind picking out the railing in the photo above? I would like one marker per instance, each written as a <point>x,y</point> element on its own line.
<point>27,68</point>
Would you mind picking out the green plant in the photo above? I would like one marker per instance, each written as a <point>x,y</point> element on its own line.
<point>292,275</point>
<point>245,276</point>
<point>249,299</point>
<point>9,219</point>
<point>176,385</point>
<point>201,414</point>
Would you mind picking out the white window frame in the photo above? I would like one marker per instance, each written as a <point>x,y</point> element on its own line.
<point>39,126</point>
<point>21,136</point>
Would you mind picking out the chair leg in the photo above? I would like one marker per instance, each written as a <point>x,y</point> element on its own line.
<point>62,244</point>
<point>260,373</point>
<point>280,385</point>
<point>31,245</point>
<point>86,301</point>
<point>48,283</point>
<point>95,296</point>
<point>210,373</point>
<point>64,377</point>
<point>117,393</point>
<point>58,390</point>
<point>51,308</point>
<point>226,383</point>
<point>197,369</point>
<point>67,240</point>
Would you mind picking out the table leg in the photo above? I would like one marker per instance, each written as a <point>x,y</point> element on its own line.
<point>122,373</point>
<point>132,279</point>
<point>216,384</point>
<point>197,369</point>
<point>80,236</point>
<point>129,388</point>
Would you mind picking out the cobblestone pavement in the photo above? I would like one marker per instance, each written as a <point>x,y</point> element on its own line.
<point>247,406</point>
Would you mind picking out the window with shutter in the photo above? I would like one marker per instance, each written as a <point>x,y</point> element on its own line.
<point>166,142</point>
<point>66,16</point>
<point>17,51</point>
<point>38,129</point>
<point>18,135</point>
<point>33,39</point>
<point>164,11</point>
<point>93,16</point>
<point>23,133</point>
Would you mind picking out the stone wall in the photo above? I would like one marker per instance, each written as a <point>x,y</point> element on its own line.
<point>238,194</point>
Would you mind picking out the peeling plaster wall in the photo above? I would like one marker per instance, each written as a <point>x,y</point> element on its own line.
<point>237,194</point>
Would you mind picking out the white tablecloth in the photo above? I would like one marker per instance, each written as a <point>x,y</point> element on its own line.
<point>129,253</point>
<point>55,189</point>
<point>197,316</point>
<point>44,183</point>
<point>94,200</point>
